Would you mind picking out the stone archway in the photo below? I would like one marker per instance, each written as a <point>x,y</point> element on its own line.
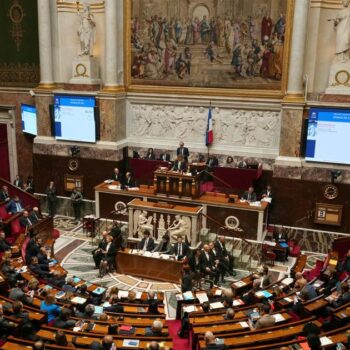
<point>200,11</point>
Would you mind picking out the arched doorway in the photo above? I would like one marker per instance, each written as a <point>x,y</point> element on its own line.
<point>200,11</point>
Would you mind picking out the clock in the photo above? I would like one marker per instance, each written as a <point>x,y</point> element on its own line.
<point>330,191</point>
<point>73,164</point>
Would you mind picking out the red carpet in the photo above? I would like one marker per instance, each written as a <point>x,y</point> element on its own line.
<point>179,343</point>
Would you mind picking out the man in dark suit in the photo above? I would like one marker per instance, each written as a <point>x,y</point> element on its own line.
<point>129,180</point>
<point>117,176</point>
<point>180,164</point>
<point>114,305</point>
<point>181,249</point>
<point>18,182</point>
<point>14,206</point>
<point>51,198</point>
<point>25,221</point>
<point>211,162</point>
<point>165,157</point>
<point>3,243</point>
<point>193,260</point>
<point>186,280</point>
<point>77,201</point>
<point>183,151</point>
<point>4,194</point>
<point>35,216</point>
<point>225,257</point>
<point>150,154</point>
<point>147,242</point>
<point>107,344</point>
<point>33,248</point>
<point>42,270</point>
<point>267,193</point>
<point>97,253</point>
<point>250,195</point>
<point>207,264</point>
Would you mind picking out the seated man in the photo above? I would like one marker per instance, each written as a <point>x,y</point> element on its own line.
<point>9,272</point>
<point>266,320</point>
<point>165,157</point>
<point>225,257</point>
<point>181,249</point>
<point>35,216</point>
<point>107,344</point>
<point>4,194</point>
<point>97,253</point>
<point>230,314</point>
<point>250,195</point>
<point>6,327</point>
<point>4,245</point>
<point>164,245</point>
<point>152,303</point>
<point>180,164</point>
<point>129,180</point>
<point>211,162</point>
<point>210,342</point>
<point>88,313</point>
<point>33,248</point>
<point>63,319</point>
<point>18,293</point>
<point>117,176</point>
<point>14,206</point>
<point>156,330</point>
<point>17,309</point>
<point>300,281</point>
<point>147,242</point>
<point>207,264</point>
<point>42,270</point>
<point>69,285</point>
<point>108,257</point>
<point>25,220</point>
<point>114,305</point>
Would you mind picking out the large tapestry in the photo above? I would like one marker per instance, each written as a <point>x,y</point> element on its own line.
<point>208,43</point>
<point>19,53</point>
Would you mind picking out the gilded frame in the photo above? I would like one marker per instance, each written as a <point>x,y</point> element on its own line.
<point>224,92</point>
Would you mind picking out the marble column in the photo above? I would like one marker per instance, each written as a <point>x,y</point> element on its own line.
<point>295,88</point>
<point>45,44</point>
<point>111,34</point>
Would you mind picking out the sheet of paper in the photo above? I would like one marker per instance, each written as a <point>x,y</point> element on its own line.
<point>202,297</point>
<point>278,317</point>
<point>217,305</point>
<point>131,343</point>
<point>122,294</point>
<point>325,341</point>
<point>244,324</point>
<point>240,284</point>
<point>189,308</point>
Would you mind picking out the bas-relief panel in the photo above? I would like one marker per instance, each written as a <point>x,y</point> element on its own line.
<point>208,43</point>
<point>233,128</point>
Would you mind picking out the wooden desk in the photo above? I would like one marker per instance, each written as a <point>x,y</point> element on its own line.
<point>148,267</point>
<point>172,183</point>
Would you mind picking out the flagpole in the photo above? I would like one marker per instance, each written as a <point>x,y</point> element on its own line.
<point>208,144</point>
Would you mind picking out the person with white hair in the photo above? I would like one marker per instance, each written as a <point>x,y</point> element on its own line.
<point>156,330</point>
<point>211,342</point>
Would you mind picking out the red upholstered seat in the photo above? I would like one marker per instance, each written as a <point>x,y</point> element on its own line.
<point>3,212</point>
<point>55,233</point>
<point>16,229</point>
<point>315,272</point>
<point>294,249</point>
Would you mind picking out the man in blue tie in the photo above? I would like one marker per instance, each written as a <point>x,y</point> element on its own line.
<point>14,206</point>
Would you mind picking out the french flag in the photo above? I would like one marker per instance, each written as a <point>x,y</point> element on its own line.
<point>209,136</point>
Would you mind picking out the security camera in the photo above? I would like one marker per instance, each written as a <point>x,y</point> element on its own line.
<point>32,93</point>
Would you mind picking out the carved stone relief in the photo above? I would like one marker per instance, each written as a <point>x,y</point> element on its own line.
<point>232,127</point>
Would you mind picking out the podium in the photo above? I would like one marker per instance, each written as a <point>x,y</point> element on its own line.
<point>172,183</point>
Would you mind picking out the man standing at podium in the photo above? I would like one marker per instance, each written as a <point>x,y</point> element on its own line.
<point>183,151</point>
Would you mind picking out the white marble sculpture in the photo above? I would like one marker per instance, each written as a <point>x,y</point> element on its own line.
<point>342,26</point>
<point>232,127</point>
<point>143,223</point>
<point>179,227</point>
<point>86,31</point>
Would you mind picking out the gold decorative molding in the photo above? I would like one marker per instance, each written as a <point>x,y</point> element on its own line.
<point>66,6</point>
<point>16,14</point>
<point>113,88</point>
<point>326,4</point>
<point>229,92</point>
<point>294,99</point>
<point>46,86</point>
<point>19,74</point>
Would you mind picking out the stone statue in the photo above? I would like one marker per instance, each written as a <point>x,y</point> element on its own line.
<point>178,228</point>
<point>342,25</point>
<point>144,223</point>
<point>86,31</point>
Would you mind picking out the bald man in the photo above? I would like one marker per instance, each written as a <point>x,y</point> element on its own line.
<point>210,342</point>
